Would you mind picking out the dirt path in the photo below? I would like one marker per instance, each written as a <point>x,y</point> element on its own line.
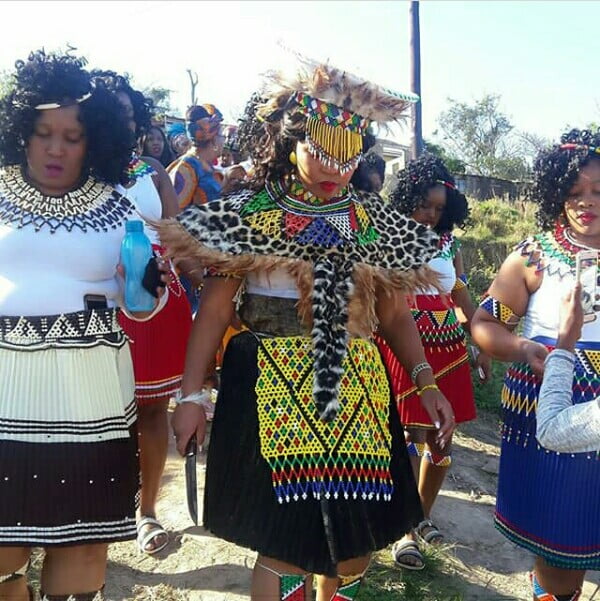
<point>198,567</point>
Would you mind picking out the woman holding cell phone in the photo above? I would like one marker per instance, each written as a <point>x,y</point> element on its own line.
<point>547,501</point>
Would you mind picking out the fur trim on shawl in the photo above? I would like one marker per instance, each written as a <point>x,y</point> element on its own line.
<point>337,284</point>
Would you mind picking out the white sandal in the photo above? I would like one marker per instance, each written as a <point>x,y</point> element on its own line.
<point>144,539</point>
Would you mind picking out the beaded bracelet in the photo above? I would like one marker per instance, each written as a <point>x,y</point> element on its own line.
<point>420,391</point>
<point>417,369</point>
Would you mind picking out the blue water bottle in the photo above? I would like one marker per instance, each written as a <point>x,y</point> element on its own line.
<point>136,251</point>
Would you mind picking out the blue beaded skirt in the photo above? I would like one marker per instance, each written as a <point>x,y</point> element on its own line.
<point>549,502</point>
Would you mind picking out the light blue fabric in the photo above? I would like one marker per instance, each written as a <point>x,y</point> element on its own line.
<point>562,426</point>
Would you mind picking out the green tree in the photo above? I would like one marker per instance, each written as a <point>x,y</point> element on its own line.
<point>453,164</point>
<point>161,97</point>
<point>5,83</point>
<point>483,138</point>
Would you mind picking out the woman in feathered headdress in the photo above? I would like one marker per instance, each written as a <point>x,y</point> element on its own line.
<point>307,462</point>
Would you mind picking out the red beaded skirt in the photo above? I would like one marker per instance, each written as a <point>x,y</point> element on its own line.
<point>158,346</point>
<point>444,342</point>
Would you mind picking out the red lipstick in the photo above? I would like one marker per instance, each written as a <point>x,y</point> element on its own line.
<point>586,218</point>
<point>328,187</point>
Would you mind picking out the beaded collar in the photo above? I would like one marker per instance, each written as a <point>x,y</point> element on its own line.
<point>94,205</point>
<point>138,168</point>
<point>289,210</point>
<point>295,198</point>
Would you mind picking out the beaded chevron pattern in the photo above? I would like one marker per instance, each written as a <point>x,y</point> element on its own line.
<point>448,245</point>
<point>292,213</point>
<point>551,252</point>
<point>93,206</point>
<point>521,390</point>
<point>348,456</point>
<point>439,328</point>
<point>138,168</point>
<point>292,587</point>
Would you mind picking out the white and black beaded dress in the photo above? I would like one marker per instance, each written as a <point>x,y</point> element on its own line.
<point>68,446</point>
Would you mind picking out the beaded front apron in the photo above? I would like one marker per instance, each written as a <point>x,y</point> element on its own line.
<point>347,457</point>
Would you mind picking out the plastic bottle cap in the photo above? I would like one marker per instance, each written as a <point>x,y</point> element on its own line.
<point>134,225</point>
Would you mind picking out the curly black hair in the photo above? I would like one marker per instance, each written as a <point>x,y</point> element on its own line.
<point>270,140</point>
<point>555,172</point>
<point>371,163</point>
<point>143,107</point>
<point>417,178</point>
<point>51,77</point>
<point>166,157</point>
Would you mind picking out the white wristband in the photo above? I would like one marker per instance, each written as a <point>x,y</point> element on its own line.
<point>198,398</point>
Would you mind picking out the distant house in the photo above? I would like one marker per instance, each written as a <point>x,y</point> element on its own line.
<point>396,155</point>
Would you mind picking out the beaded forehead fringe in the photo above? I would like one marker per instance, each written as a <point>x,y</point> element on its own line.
<point>333,135</point>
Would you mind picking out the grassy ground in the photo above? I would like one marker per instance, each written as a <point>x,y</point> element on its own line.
<point>437,582</point>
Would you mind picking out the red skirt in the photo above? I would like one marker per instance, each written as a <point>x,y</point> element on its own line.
<point>158,347</point>
<point>445,349</point>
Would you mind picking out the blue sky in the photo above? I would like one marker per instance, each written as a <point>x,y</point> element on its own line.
<point>542,57</point>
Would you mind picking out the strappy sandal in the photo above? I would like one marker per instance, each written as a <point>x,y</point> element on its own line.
<point>403,549</point>
<point>155,530</point>
<point>433,536</point>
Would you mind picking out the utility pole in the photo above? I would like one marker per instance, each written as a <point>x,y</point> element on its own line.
<point>416,147</point>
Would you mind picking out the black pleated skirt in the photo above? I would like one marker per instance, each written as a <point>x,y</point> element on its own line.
<point>311,533</point>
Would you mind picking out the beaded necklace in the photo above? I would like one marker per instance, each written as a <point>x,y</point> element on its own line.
<point>94,205</point>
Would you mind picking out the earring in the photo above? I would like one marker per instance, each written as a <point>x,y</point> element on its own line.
<point>293,159</point>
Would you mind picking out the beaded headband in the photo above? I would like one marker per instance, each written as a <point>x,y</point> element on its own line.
<point>56,105</point>
<point>586,147</point>
<point>445,183</point>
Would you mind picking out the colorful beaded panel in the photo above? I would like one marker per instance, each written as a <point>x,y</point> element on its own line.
<point>292,587</point>
<point>138,168</point>
<point>551,252</point>
<point>348,589</point>
<point>94,205</point>
<point>347,457</point>
<point>439,329</point>
<point>331,114</point>
<point>291,213</point>
<point>333,135</point>
<point>449,246</point>
<point>499,311</point>
<point>437,460</point>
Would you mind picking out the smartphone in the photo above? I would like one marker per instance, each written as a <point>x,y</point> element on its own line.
<point>95,301</point>
<point>474,353</point>
<point>586,272</point>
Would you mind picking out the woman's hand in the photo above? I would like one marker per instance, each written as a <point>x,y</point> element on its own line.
<point>571,319</point>
<point>188,418</point>
<point>534,354</point>
<point>483,363</point>
<point>441,414</point>
<point>165,277</point>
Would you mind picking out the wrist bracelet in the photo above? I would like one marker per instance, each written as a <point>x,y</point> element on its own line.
<point>198,398</point>
<point>417,369</point>
<point>420,391</point>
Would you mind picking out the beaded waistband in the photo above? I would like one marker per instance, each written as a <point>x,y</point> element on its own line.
<point>70,330</point>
